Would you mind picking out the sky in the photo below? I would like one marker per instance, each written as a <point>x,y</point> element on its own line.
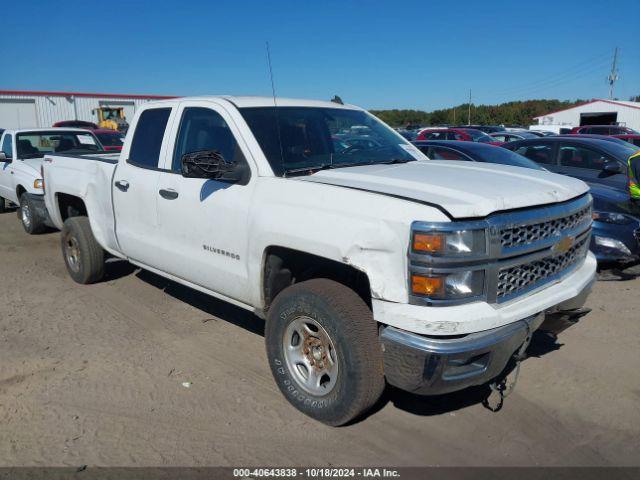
<point>376,54</point>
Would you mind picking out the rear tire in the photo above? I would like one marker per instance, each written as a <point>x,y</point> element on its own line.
<point>31,220</point>
<point>323,349</point>
<point>83,256</point>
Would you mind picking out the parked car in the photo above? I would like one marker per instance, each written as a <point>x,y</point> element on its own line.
<point>589,159</point>
<point>616,231</point>
<point>542,133</point>
<point>607,138</point>
<point>512,136</point>
<point>316,241</point>
<point>603,129</point>
<point>630,138</point>
<point>461,134</point>
<point>21,157</point>
<point>408,134</point>
<point>76,124</point>
<point>110,140</point>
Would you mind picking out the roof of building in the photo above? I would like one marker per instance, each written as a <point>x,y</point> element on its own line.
<point>613,102</point>
<point>37,93</point>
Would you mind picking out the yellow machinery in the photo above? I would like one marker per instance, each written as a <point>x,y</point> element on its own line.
<point>112,118</point>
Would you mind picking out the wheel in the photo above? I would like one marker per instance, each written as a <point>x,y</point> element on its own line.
<point>3,205</point>
<point>28,214</point>
<point>82,254</point>
<point>323,349</point>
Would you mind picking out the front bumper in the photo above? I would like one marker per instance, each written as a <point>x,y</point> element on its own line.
<point>429,365</point>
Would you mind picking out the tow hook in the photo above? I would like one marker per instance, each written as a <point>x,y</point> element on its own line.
<point>503,387</point>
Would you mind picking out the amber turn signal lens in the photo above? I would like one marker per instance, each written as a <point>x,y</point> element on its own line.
<point>423,242</point>
<point>427,285</point>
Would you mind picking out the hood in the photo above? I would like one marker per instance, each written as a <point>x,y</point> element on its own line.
<point>463,189</point>
<point>607,193</point>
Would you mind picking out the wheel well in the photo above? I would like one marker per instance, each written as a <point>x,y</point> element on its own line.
<point>284,267</point>
<point>70,206</point>
<point>19,191</point>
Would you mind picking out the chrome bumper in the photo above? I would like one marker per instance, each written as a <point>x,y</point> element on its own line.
<point>430,365</point>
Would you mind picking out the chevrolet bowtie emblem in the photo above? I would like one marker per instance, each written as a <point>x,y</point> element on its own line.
<point>563,246</point>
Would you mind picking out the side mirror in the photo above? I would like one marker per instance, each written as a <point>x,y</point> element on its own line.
<point>612,167</point>
<point>210,164</point>
<point>4,158</point>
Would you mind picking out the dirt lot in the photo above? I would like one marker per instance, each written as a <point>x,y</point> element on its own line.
<point>93,375</point>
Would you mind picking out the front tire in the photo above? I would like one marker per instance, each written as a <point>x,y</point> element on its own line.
<point>83,256</point>
<point>323,349</point>
<point>3,205</point>
<point>31,220</point>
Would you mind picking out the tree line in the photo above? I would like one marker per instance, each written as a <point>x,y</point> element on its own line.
<point>510,113</point>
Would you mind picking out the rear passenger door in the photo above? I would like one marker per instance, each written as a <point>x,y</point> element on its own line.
<point>135,187</point>
<point>203,223</point>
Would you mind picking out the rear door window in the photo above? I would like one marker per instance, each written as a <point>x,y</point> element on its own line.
<point>538,153</point>
<point>441,153</point>
<point>147,140</point>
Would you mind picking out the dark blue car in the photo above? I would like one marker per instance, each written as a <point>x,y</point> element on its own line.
<point>616,227</point>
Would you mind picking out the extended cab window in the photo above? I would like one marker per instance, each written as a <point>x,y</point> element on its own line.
<point>204,129</point>
<point>147,140</point>
<point>7,146</point>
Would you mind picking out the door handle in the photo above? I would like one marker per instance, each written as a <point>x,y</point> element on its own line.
<point>122,185</point>
<point>168,193</point>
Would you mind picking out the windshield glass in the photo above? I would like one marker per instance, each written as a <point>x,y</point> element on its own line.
<point>38,144</point>
<point>310,138</point>
<point>479,136</point>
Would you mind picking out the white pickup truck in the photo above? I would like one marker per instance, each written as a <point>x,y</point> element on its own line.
<point>21,153</point>
<point>368,261</point>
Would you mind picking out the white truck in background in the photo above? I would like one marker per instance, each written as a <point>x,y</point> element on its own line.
<point>369,263</point>
<point>21,153</point>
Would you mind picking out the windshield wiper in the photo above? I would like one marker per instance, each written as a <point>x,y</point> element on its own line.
<point>308,170</point>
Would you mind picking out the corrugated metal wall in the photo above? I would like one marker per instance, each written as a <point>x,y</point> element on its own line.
<point>627,115</point>
<point>53,108</point>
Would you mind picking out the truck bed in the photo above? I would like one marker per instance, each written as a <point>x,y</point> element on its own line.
<point>88,177</point>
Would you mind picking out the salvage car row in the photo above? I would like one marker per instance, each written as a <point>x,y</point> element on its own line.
<point>370,263</point>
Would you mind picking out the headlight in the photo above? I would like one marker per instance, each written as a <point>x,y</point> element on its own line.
<point>611,217</point>
<point>38,183</point>
<point>612,244</point>
<point>458,243</point>
<point>448,286</point>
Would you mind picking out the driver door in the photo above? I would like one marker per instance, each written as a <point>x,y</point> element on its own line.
<point>6,168</point>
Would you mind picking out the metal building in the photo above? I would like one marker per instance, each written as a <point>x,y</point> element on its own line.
<point>24,109</point>
<point>595,112</point>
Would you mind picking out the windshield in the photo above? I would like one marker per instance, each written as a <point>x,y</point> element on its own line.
<point>38,144</point>
<point>479,136</point>
<point>310,138</point>
<point>110,139</point>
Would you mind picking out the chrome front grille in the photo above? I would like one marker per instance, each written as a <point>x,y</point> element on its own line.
<point>521,235</point>
<point>518,279</point>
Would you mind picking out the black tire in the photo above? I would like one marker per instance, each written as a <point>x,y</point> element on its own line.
<point>31,220</point>
<point>353,335</point>
<point>3,205</point>
<point>82,254</point>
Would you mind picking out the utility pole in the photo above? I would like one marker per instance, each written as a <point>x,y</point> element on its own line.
<point>469,112</point>
<point>613,76</point>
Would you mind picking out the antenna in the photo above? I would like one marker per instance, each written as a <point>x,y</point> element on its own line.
<point>275,105</point>
<point>613,76</point>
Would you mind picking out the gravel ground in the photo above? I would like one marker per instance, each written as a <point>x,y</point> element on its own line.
<point>95,375</point>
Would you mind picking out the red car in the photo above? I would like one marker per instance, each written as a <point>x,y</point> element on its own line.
<point>460,134</point>
<point>633,138</point>
<point>603,130</point>
<point>110,139</point>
